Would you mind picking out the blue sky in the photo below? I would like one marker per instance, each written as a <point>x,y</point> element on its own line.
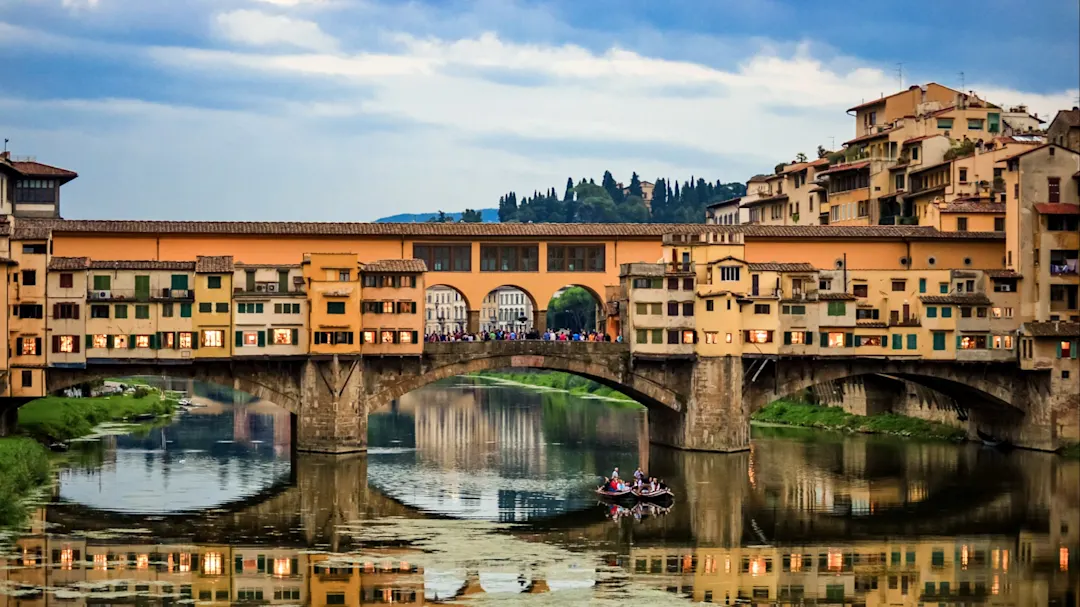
<point>356,109</point>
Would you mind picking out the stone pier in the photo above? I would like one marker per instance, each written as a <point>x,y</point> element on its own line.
<point>715,416</point>
<point>333,407</point>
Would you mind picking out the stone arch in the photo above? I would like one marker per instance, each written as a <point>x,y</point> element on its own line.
<point>430,323</point>
<point>528,295</point>
<point>651,393</point>
<point>996,385</point>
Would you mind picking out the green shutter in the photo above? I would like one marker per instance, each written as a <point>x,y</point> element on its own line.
<point>787,338</point>
<point>897,342</point>
<point>109,342</point>
<point>849,340</point>
<point>176,340</point>
<point>824,340</point>
<point>295,336</point>
<point>912,341</point>
<point>1058,349</point>
<point>131,342</point>
<point>239,339</point>
<point>258,308</point>
<point>185,310</point>
<point>89,341</point>
<point>808,338</point>
<point>179,282</point>
<point>195,346</point>
<point>943,287</point>
<point>1072,349</point>
<point>922,285</point>
<point>19,345</point>
<point>939,340</point>
<point>946,311</point>
<point>931,312</point>
<point>262,337</point>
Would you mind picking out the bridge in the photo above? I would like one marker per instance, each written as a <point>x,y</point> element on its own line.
<point>694,403</point>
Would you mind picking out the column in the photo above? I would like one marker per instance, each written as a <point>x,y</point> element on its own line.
<point>474,321</point>
<point>540,320</point>
<point>716,418</point>
<point>333,407</point>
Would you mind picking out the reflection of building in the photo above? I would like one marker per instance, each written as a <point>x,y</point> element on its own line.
<point>446,311</point>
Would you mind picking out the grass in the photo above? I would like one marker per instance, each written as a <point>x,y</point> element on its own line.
<point>24,466</point>
<point>62,418</point>
<point>558,380</point>
<point>1072,451</point>
<point>835,418</point>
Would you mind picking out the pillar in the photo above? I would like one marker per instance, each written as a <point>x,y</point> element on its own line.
<point>540,320</point>
<point>9,415</point>
<point>333,407</point>
<point>474,321</point>
<point>715,417</point>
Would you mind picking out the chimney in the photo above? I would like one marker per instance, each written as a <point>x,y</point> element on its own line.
<point>6,155</point>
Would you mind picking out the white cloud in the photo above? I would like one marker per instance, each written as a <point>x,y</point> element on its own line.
<point>256,28</point>
<point>292,2</point>
<point>79,4</point>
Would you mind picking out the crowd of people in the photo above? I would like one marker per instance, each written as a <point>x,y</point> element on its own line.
<point>640,483</point>
<point>531,334</point>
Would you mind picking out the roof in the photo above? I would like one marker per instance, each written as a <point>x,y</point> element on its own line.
<point>878,101</point>
<point>869,136</point>
<point>1057,208</point>
<point>7,261</point>
<point>37,169</point>
<point>396,265</point>
<point>216,264</point>
<point>1052,329</point>
<point>1070,118</point>
<point>139,264</point>
<point>957,298</point>
<point>914,139</point>
<point>1003,274</point>
<point>871,324</point>
<point>973,207</point>
<point>927,167</point>
<point>29,231</point>
<point>721,203</point>
<point>773,266</point>
<point>851,166</point>
<point>69,263</point>
<point>836,297</point>
<point>1034,149</point>
<point>777,198</point>
<point>757,178</point>
<point>798,166</point>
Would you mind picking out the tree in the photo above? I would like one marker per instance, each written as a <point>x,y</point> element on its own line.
<point>800,157</point>
<point>440,218</point>
<point>822,152</point>
<point>660,200</point>
<point>471,216</point>
<point>508,207</point>
<point>612,188</point>
<point>635,186</point>
<point>632,210</point>
<point>595,204</point>
<point>573,309</point>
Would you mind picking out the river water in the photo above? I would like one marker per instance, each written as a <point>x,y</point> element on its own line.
<point>477,492</point>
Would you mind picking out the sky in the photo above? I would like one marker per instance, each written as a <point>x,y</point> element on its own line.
<point>350,110</point>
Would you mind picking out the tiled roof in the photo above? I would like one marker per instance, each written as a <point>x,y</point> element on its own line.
<point>777,198</point>
<point>1034,149</point>
<point>1003,274</point>
<point>914,139</point>
<point>69,263</point>
<point>1070,118</point>
<point>851,166</point>
<point>874,102</point>
<point>140,264</point>
<point>758,178</point>
<point>36,169</point>
<point>1057,208</point>
<point>5,261</point>
<point>871,324</point>
<point>927,167</point>
<point>836,297</point>
<point>25,230</point>
<point>1053,329</point>
<point>265,266</point>
<point>773,266</point>
<point>834,231</point>
<point>396,265</point>
<point>974,207</point>
<point>721,203</point>
<point>973,299</point>
<point>869,136</point>
<point>216,264</point>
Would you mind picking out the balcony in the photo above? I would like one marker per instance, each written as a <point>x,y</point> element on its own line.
<point>263,289</point>
<point>677,267</point>
<point>164,294</point>
<point>1063,263</point>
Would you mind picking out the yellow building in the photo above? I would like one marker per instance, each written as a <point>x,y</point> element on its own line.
<point>212,320</point>
<point>392,307</point>
<point>27,320</point>
<point>270,310</point>
<point>333,286</point>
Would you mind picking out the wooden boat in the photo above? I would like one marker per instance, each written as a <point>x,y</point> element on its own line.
<point>659,495</point>
<point>992,441</point>
<point>614,495</point>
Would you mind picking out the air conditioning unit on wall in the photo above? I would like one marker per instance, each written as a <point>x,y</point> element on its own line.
<point>100,294</point>
<point>260,288</point>
<point>271,288</point>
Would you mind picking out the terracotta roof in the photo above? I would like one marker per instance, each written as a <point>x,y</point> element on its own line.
<point>957,298</point>
<point>877,101</point>
<point>777,198</point>
<point>396,265</point>
<point>835,231</point>
<point>973,207</point>
<point>757,178</point>
<point>5,261</point>
<point>914,139</point>
<point>851,166</point>
<point>869,136</point>
<point>265,266</point>
<point>1053,329</point>
<point>29,231</point>
<point>836,297</point>
<point>1071,117</point>
<point>1057,208</point>
<point>37,169</point>
<point>216,264</point>
<point>721,203</point>
<point>1003,274</point>
<point>69,263</point>
<point>930,166</point>
<point>773,266</point>
<point>871,324</point>
<point>140,264</point>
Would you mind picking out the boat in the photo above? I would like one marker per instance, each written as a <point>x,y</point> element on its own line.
<point>143,417</point>
<point>992,441</point>
<point>660,495</point>
<point>614,495</point>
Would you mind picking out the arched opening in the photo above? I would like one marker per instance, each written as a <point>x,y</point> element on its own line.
<point>575,309</point>
<point>446,311</point>
<point>508,309</point>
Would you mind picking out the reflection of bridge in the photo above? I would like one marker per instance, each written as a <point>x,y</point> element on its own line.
<point>696,403</point>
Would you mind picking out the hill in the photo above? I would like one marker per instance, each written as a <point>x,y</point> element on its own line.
<point>489,215</point>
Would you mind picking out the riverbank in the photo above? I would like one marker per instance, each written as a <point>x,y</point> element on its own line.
<point>835,418</point>
<point>62,418</point>
<point>557,380</point>
<point>24,467</point>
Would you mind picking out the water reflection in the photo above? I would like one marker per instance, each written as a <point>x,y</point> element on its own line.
<point>801,519</point>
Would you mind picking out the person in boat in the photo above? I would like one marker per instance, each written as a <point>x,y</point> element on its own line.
<point>660,485</point>
<point>638,474</point>
<point>615,473</point>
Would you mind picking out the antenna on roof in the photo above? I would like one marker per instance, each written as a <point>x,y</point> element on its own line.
<point>832,142</point>
<point>900,74</point>
<point>961,81</point>
<point>6,140</point>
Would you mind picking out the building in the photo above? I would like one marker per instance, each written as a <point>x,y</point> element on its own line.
<point>1064,130</point>
<point>269,310</point>
<point>724,212</point>
<point>446,311</point>
<point>333,286</point>
<point>29,188</point>
<point>212,319</point>
<point>391,320</point>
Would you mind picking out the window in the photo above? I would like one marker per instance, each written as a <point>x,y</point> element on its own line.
<point>648,283</point>
<point>248,338</point>
<point>1003,342</point>
<point>944,123</point>
<point>142,311</point>
<point>860,290</point>
<point>67,280</point>
<point>710,337</point>
<point>688,308</point>
<point>837,308</point>
<point>168,340</point>
<point>335,307</point>
<point>387,337</point>
<point>642,336</point>
<point>445,257</point>
<point>963,175</point>
<point>576,258</point>
<point>29,278</point>
<point>867,314</point>
<point>758,337</point>
<point>795,337</point>
<point>673,308</point>
<point>120,341</point>
<point>213,282</point>
<point>121,311</point>
<point>980,312</point>
<point>221,306</point>
<point>688,284</point>
<point>762,308</point>
<point>1062,223</point>
<point>899,285</point>
<point>185,341</point>
<point>961,224</point>
<point>166,310</point>
<point>27,379</point>
<point>797,309</point>
<point>972,342</point>
<point>213,338</point>
<point>915,153</point>
<point>1065,349</point>
<point>825,284</point>
<point>1053,189</point>
<point>939,340</point>
<point>931,312</point>
<point>869,340</point>
<point>965,312</point>
<point>99,341</point>
<point>658,336</point>
<point>35,249</point>
<point>912,341</point>
<point>206,307</point>
<point>344,275</point>
<point>730,273</point>
<point>335,598</point>
<point>689,337</point>
<point>835,339</point>
<point>284,337</point>
<point>185,310</point>
<point>708,305</point>
<point>142,341</point>
<point>946,311</point>
<point>524,258</point>
<point>999,224</point>
<point>406,307</point>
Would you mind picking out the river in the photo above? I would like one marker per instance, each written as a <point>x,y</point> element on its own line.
<point>475,492</point>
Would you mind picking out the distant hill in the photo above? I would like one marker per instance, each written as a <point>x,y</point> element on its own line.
<point>489,215</point>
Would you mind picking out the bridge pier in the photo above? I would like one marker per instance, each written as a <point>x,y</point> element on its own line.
<point>9,415</point>
<point>333,414</point>
<point>715,418</point>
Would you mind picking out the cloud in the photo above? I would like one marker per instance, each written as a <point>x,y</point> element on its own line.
<point>79,4</point>
<point>256,28</point>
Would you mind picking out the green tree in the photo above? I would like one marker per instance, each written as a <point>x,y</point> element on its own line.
<point>613,189</point>
<point>573,309</point>
<point>632,210</point>
<point>660,200</point>
<point>800,157</point>
<point>594,204</point>
<point>471,216</point>
<point>822,152</point>
<point>635,186</point>
<point>440,218</point>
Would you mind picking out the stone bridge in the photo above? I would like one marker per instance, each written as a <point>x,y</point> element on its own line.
<point>693,403</point>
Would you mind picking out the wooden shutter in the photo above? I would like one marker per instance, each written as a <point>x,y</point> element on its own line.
<point>75,312</point>
<point>131,342</point>
<point>849,340</point>
<point>56,310</point>
<point>19,340</point>
<point>89,341</point>
<point>787,338</point>
<point>295,336</point>
<point>75,344</point>
<point>239,339</point>
<point>808,338</point>
<point>37,346</point>
<point>824,340</point>
<point>415,335</point>
<point>262,337</point>
<point>56,342</point>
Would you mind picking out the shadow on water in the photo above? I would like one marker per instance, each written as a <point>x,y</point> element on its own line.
<point>471,492</point>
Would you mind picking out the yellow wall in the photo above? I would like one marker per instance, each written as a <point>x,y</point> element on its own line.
<point>218,319</point>
<point>326,288</point>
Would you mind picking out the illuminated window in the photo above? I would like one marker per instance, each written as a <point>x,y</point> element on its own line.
<point>185,558</point>
<point>1063,558</point>
<point>282,567</point>
<point>369,337</point>
<point>251,338</point>
<point>796,563</point>
<point>836,561</point>
<point>688,337</point>
<point>142,561</point>
<point>67,343</point>
<point>120,341</point>
<point>100,341</point>
<point>1065,349</point>
<point>185,341</point>
<point>67,558</point>
<point>836,340</point>
<point>758,337</point>
<point>29,346</point>
<point>168,340</point>
<point>100,562</point>
<point>283,337</point>
<point>727,338</point>
<point>405,337</point>
<point>387,337</point>
<point>142,341</point>
<point>213,339</point>
<point>798,337</point>
<point>710,337</point>
<point>973,342</point>
<point>387,307</point>
<point>212,562</point>
<point>996,312</point>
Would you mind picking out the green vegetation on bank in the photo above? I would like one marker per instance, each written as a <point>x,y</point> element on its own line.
<point>1072,451</point>
<point>835,418</point>
<point>24,466</point>
<point>558,380</point>
<point>61,418</point>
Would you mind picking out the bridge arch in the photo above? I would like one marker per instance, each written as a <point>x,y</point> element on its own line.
<point>504,305</point>
<point>446,309</point>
